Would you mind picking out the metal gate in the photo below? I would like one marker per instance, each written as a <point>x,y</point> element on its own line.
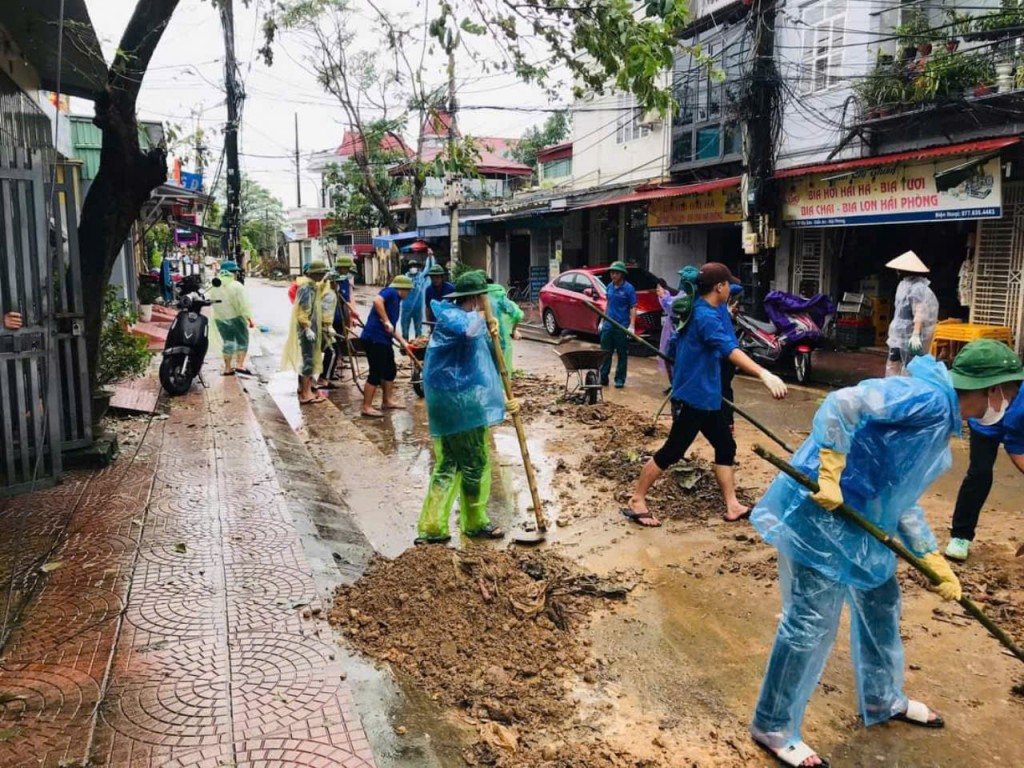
<point>999,266</point>
<point>30,424</point>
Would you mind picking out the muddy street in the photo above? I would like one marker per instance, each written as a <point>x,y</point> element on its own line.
<point>669,674</point>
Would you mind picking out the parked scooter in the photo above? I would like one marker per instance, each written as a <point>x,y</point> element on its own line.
<point>187,340</point>
<point>797,327</point>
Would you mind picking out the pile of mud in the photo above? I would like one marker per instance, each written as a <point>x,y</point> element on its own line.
<point>535,394</point>
<point>494,634</point>
<point>687,491</point>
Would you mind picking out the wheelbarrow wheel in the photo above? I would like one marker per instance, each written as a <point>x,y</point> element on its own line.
<point>590,380</point>
<point>417,385</point>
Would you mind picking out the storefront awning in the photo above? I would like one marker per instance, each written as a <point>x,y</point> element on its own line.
<point>642,195</point>
<point>385,241</point>
<point>966,148</point>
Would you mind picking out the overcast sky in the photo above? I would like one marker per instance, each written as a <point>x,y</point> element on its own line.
<point>184,85</point>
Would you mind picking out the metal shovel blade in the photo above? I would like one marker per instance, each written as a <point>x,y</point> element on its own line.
<point>526,538</point>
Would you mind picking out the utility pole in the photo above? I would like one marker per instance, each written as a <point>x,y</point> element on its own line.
<point>235,96</point>
<point>298,184</point>
<point>453,182</point>
<point>763,104</point>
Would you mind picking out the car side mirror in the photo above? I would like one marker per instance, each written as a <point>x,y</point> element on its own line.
<point>588,292</point>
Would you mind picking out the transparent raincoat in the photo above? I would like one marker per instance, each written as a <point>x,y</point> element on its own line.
<point>412,305</point>
<point>299,354</point>
<point>508,314</point>
<point>914,300</point>
<point>231,314</point>
<point>461,383</point>
<point>895,433</point>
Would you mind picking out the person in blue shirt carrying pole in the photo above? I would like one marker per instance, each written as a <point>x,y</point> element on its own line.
<point>699,348</point>
<point>621,307</point>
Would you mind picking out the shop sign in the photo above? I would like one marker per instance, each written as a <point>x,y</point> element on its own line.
<point>892,195</point>
<point>716,206</point>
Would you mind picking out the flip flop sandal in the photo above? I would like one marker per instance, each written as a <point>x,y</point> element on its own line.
<point>313,400</point>
<point>636,517</point>
<point>489,531</point>
<point>744,516</point>
<point>375,415</point>
<point>793,755</point>
<point>227,373</point>
<point>421,540</point>
<point>917,714</point>
<point>244,372</point>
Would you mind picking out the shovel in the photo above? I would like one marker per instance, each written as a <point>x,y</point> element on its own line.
<point>519,537</point>
<point>848,513</point>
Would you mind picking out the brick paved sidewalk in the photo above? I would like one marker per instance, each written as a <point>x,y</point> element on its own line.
<point>172,632</point>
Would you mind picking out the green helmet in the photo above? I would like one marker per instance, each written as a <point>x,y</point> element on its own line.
<point>401,283</point>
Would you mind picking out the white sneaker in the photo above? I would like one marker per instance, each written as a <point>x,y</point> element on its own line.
<point>957,549</point>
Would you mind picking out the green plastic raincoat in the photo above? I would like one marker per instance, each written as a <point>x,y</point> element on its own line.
<point>508,315</point>
<point>231,315</point>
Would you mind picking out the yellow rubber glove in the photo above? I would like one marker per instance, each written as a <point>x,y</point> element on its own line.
<point>949,588</point>
<point>512,407</point>
<point>829,494</point>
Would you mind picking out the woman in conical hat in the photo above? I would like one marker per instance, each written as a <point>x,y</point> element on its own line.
<point>914,315</point>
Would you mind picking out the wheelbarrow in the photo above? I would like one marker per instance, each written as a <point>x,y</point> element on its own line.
<point>583,373</point>
<point>419,351</point>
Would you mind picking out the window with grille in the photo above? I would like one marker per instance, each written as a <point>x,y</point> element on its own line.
<point>629,128</point>
<point>823,24</point>
<point>557,169</point>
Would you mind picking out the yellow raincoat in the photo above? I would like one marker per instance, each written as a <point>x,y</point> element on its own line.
<point>300,354</point>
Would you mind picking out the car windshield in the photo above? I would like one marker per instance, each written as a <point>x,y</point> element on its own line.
<point>640,279</point>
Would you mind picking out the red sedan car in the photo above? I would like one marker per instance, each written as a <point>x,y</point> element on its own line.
<point>562,301</point>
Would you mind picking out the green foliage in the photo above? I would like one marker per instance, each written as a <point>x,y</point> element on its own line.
<point>458,269</point>
<point>158,239</point>
<point>554,131</point>
<point>122,354</point>
<point>149,290</point>
<point>600,44</point>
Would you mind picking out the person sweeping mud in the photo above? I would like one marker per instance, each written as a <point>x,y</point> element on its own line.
<point>876,446</point>
<point>699,348</point>
<point>464,399</point>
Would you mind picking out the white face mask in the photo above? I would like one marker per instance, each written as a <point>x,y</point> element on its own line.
<point>413,270</point>
<point>995,415</point>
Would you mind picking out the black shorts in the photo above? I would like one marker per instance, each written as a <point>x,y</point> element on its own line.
<point>381,359</point>
<point>686,423</point>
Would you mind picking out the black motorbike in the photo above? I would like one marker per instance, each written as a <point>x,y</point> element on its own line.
<point>187,340</point>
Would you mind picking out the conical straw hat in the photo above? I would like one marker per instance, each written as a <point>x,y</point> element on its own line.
<point>908,262</point>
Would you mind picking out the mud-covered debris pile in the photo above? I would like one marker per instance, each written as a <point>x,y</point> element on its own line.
<point>687,490</point>
<point>555,754</point>
<point>534,393</point>
<point>492,633</point>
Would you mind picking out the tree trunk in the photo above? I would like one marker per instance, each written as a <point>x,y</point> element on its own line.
<point>126,175</point>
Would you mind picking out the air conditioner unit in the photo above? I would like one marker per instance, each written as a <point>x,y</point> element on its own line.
<point>651,120</point>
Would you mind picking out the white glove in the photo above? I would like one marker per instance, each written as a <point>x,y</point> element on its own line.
<point>774,384</point>
<point>915,345</point>
<point>308,333</point>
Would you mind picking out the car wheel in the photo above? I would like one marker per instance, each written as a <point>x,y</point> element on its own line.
<point>550,323</point>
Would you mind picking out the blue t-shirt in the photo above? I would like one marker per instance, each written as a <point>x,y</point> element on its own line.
<point>374,330</point>
<point>620,301</point>
<point>697,372</point>
<point>345,289</point>
<point>1010,430</point>
<point>434,294</point>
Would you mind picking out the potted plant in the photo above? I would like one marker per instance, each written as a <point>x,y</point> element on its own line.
<point>958,25</point>
<point>999,24</point>
<point>149,292</point>
<point>914,34</point>
<point>122,354</point>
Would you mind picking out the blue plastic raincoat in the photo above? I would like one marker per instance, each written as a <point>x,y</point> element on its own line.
<point>412,306</point>
<point>460,381</point>
<point>895,433</point>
